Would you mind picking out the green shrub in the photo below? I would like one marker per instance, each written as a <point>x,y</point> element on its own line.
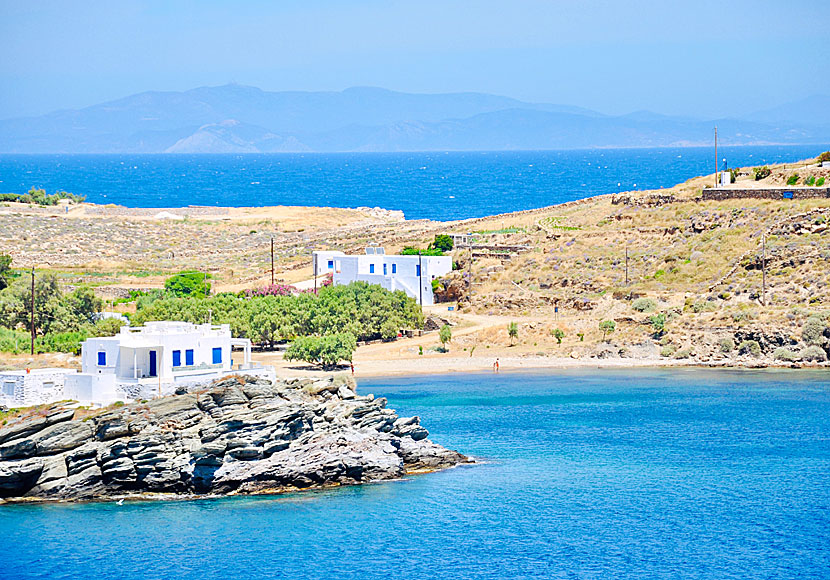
<point>792,179</point>
<point>683,353</point>
<point>820,182</point>
<point>810,181</point>
<point>704,306</point>
<point>644,305</point>
<point>813,354</point>
<point>558,334</point>
<point>445,335</point>
<point>785,354</point>
<point>726,344</point>
<point>189,283</point>
<point>607,327</point>
<point>668,350</point>
<point>813,331</point>
<point>442,242</point>
<point>658,322</point>
<point>413,251</point>
<point>325,351</point>
<point>761,172</point>
<point>750,347</point>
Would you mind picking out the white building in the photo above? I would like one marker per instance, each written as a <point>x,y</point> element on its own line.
<point>32,387</point>
<point>152,360</point>
<point>412,274</point>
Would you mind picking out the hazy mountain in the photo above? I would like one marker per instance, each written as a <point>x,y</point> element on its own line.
<point>812,111</point>
<point>241,119</point>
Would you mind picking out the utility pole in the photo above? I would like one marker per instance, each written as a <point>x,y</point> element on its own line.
<point>420,281</point>
<point>210,316</point>
<point>33,310</point>
<point>716,155</point>
<point>272,260</point>
<point>626,264</point>
<point>205,288</point>
<point>764,269</point>
<point>314,267</point>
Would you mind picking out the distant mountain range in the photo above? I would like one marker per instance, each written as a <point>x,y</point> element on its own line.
<point>242,119</point>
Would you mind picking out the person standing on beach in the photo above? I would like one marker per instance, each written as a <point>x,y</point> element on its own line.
<point>496,366</point>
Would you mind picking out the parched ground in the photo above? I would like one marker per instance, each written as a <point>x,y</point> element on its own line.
<point>700,261</point>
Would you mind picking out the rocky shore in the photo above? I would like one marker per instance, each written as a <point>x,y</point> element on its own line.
<point>242,435</point>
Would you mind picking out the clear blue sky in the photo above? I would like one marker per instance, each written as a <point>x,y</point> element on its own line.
<point>695,57</point>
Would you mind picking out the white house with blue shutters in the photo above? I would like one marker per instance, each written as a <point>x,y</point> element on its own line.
<point>412,274</point>
<point>154,359</point>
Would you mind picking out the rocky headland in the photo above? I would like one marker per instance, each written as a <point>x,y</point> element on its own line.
<point>242,435</point>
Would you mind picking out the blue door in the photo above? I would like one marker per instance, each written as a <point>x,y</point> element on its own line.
<point>152,363</point>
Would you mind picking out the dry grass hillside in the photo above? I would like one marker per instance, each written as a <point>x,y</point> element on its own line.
<point>680,277</point>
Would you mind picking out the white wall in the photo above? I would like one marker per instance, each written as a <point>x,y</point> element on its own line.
<point>401,272</point>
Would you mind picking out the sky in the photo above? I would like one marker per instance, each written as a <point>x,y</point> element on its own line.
<point>697,58</point>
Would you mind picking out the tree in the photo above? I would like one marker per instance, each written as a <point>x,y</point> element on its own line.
<point>188,283</point>
<point>445,335</point>
<point>325,351</point>
<point>513,332</point>
<point>658,322</point>
<point>607,327</point>
<point>558,334</point>
<point>442,242</point>
<point>5,270</point>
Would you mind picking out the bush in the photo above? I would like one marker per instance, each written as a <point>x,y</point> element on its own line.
<point>820,182</point>
<point>750,347</point>
<point>325,351</point>
<point>189,283</point>
<point>644,305</point>
<point>823,157</point>
<point>810,181</point>
<point>607,327</point>
<point>658,322</point>
<point>445,335</point>
<point>785,354</point>
<point>683,353</point>
<point>792,179</point>
<point>761,172</point>
<point>813,354</point>
<point>668,350</point>
<point>813,331</point>
<point>442,242</point>
<point>726,344</point>
<point>558,334</point>
<point>413,251</point>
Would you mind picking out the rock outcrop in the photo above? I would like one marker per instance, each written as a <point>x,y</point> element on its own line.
<point>241,435</point>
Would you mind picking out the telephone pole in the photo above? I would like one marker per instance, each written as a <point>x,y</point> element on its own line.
<point>716,155</point>
<point>626,264</point>
<point>33,310</point>
<point>420,281</point>
<point>764,269</point>
<point>272,260</point>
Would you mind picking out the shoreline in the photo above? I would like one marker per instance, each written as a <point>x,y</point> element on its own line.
<point>398,368</point>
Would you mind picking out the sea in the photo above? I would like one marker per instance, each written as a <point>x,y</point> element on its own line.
<point>430,185</point>
<point>580,474</point>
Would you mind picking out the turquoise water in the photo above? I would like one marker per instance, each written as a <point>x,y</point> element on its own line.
<point>584,474</point>
<point>441,186</point>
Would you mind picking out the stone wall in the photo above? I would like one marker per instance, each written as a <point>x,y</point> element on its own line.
<point>765,193</point>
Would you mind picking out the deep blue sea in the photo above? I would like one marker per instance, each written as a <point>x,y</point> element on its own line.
<point>585,475</point>
<point>443,186</point>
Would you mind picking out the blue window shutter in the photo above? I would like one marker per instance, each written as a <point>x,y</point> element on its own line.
<point>417,269</point>
<point>331,264</point>
<point>217,356</point>
<point>177,358</point>
<point>102,359</point>
<point>371,268</point>
<point>394,268</point>
<point>384,268</point>
<point>188,357</point>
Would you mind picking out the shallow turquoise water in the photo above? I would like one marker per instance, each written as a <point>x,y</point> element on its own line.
<point>584,474</point>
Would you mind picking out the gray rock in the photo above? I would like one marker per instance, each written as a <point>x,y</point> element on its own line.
<point>241,436</point>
